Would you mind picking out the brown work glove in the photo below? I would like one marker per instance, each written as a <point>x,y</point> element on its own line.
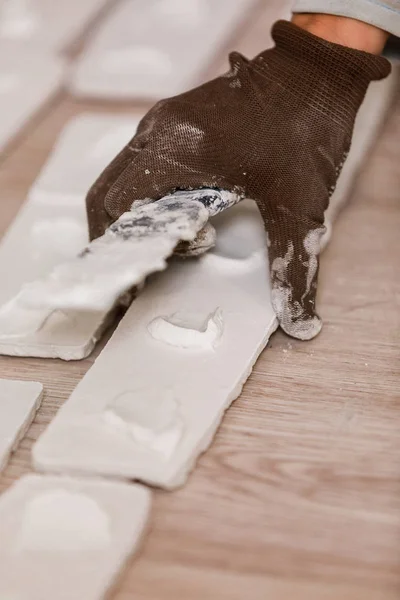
<point>276,129</point>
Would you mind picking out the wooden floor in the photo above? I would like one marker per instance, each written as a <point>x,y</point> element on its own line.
<point>299,496</point>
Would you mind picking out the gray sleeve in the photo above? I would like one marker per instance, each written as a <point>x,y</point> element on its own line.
<point>384,14</point>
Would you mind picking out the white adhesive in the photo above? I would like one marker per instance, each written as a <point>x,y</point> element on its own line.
<point>238,266</point>
<point>177,331</point>
<point>133,247</point>
<point>312,246</point>
<point>287,311</point>
<point>203,241</point>
<point>63,521</point>
<point>149,417</point>
<point>120,259</point>
<point>281,263</point>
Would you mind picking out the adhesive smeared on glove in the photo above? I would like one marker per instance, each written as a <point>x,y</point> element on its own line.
<point>291,313</point>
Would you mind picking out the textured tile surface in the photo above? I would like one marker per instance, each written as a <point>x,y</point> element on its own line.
<point>19,401</point>
<point>156,48</point>
<point>28,78</point>
<point>155,396</point>
<point>67,539</point>
<point>85,147</point>
<point>51,228</point>
<point>46,23</point>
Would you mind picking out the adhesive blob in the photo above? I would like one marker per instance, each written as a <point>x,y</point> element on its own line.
<point>182,331</point>
<point>150,417</point>
<point>63,521</point>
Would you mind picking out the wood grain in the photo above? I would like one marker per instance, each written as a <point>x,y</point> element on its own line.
<point>299,495</point>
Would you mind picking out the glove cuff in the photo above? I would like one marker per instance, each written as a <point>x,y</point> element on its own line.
<point>328,75</point>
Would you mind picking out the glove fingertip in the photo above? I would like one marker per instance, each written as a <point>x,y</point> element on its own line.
<point>303,330</point>
<point>291,317</point>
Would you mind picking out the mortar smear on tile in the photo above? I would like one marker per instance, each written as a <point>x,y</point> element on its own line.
<point>63,521</point>
<point>151,419</point>
<point>137,244</point>
<point>182,331</point>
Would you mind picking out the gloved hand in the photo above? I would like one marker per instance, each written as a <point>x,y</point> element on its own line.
<point>276,129</point>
